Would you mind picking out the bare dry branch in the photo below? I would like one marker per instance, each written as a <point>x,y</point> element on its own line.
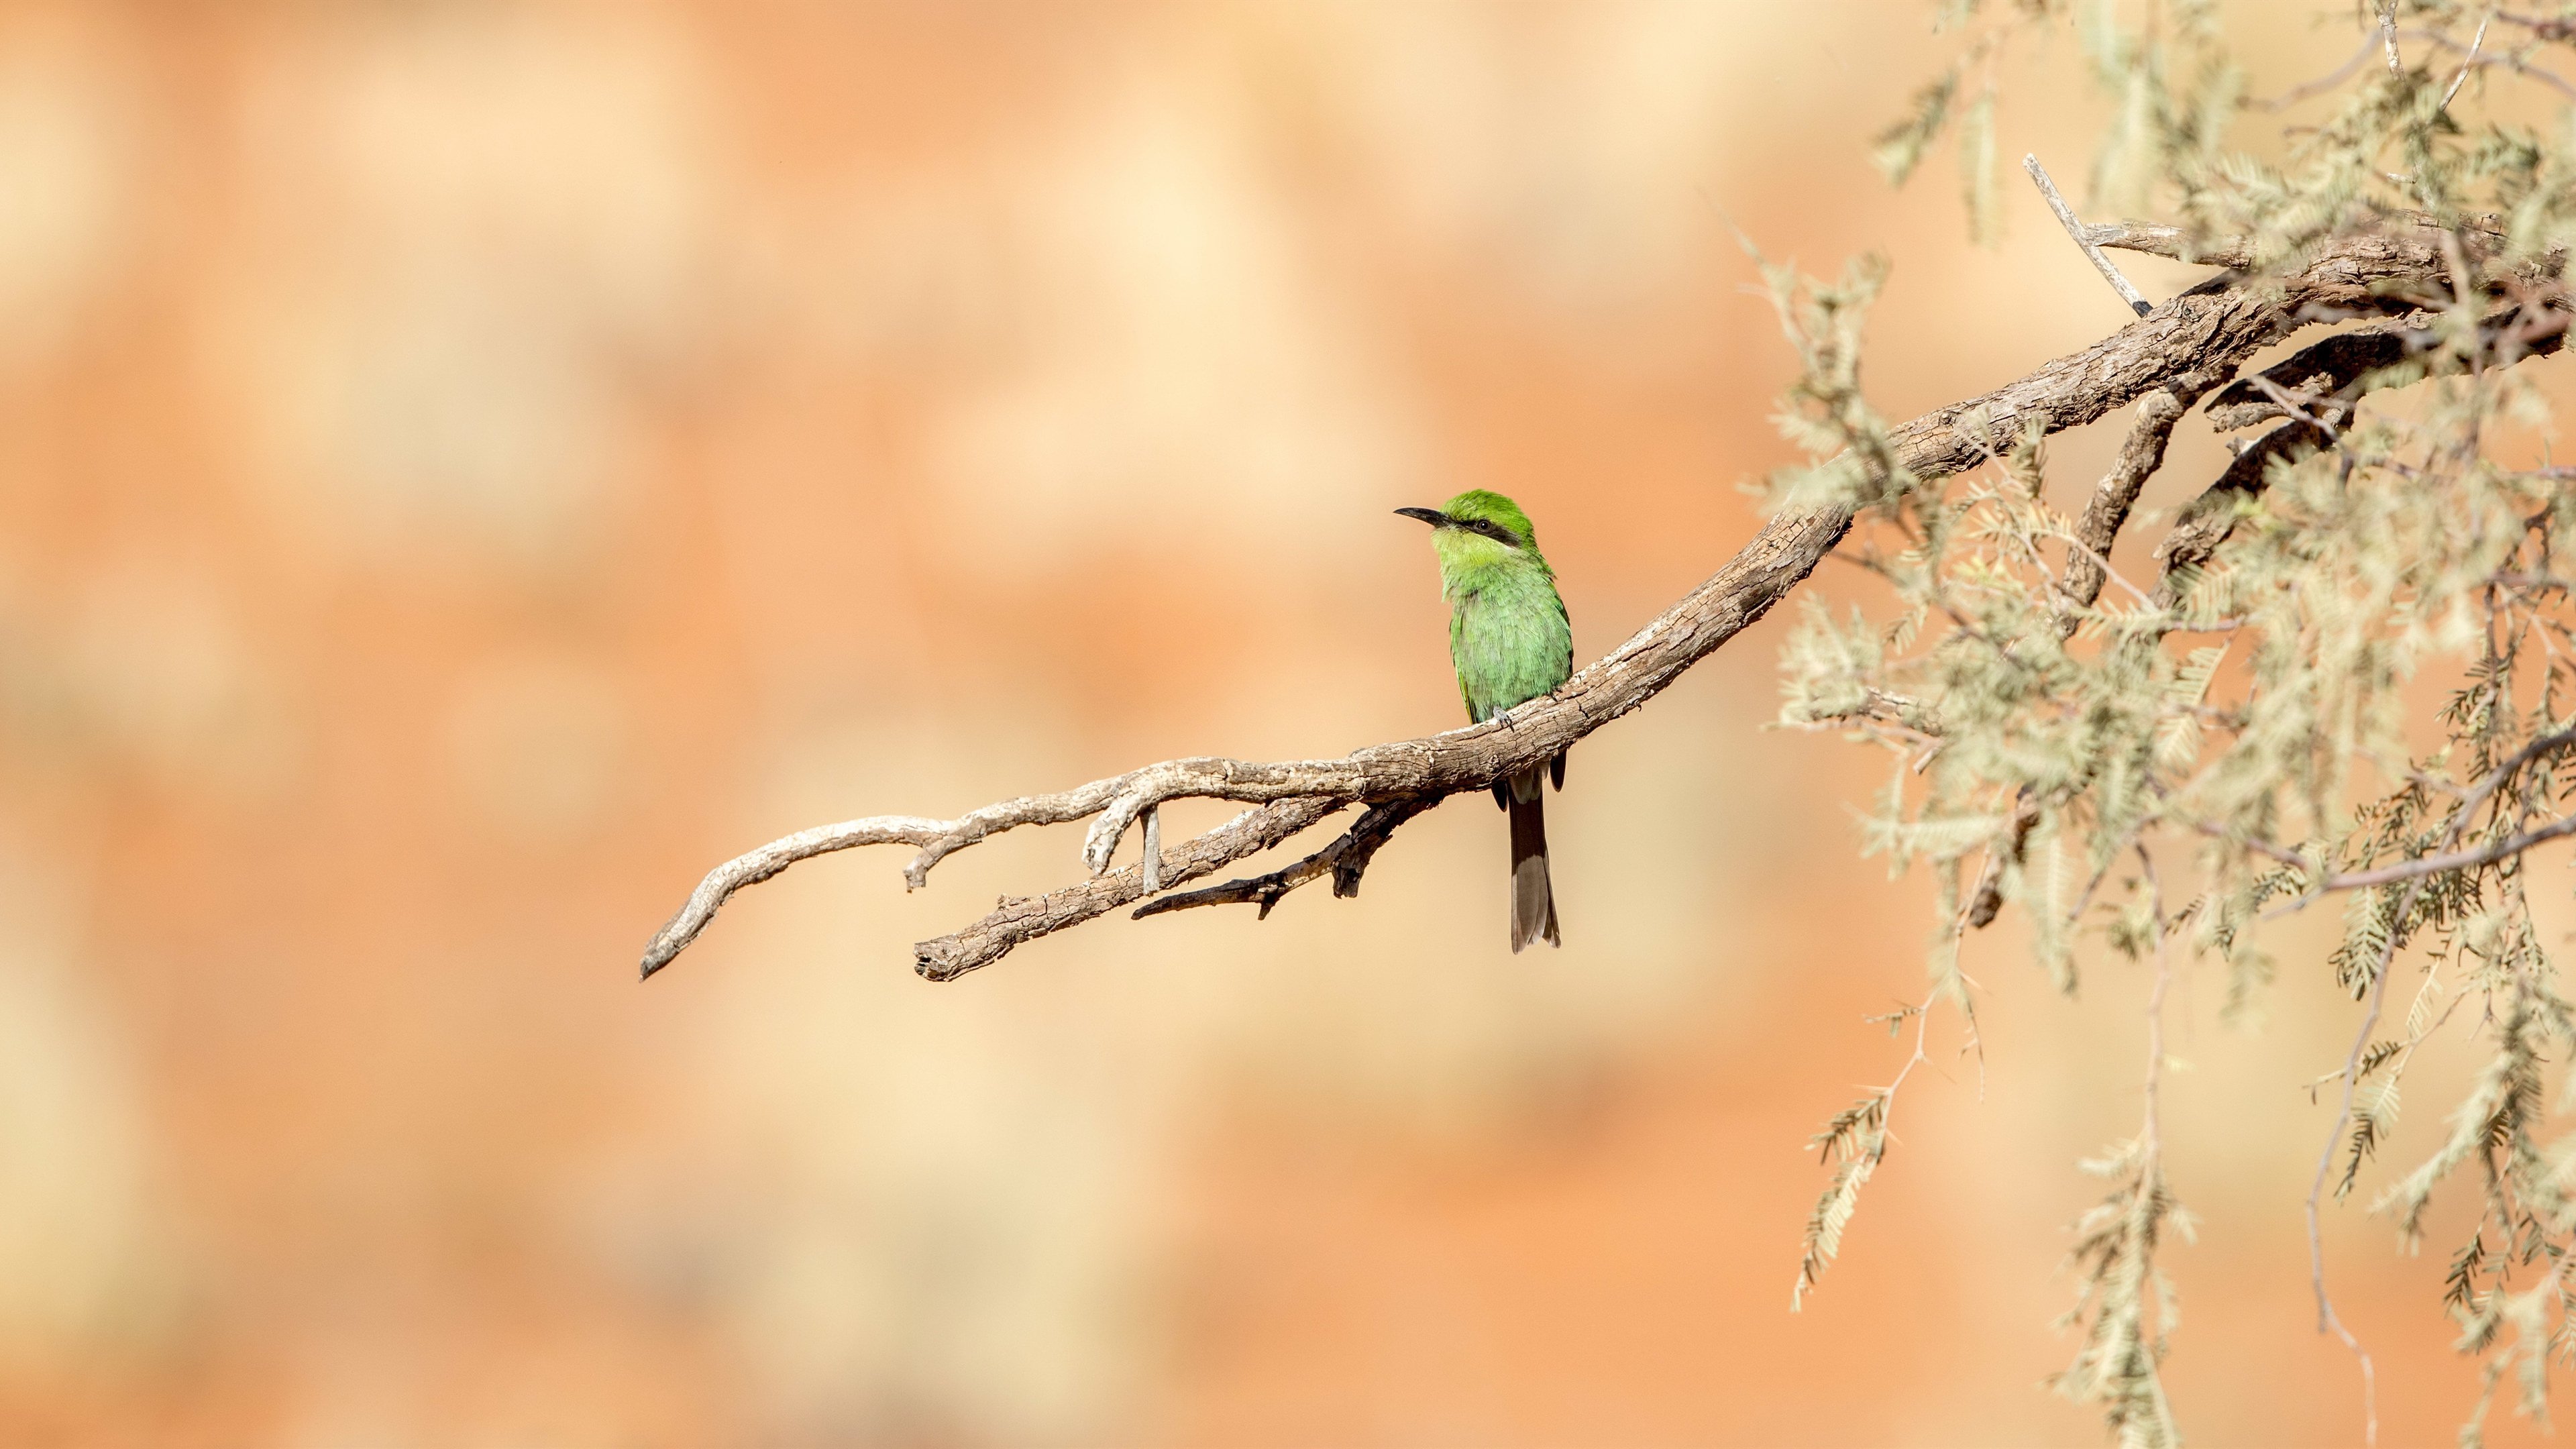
<point>2092,250</point>
<point>2328,378</point>
<point>2317,377</point>
<point>1344,860</point>
<point>2207,520</point>
<point>1016,920</point>
<point>2208,330</point>
<point>2421,866</point>
<point>2142,452</point>
<point>2155,239</point>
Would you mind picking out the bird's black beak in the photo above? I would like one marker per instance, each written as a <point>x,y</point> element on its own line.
<point>1432,516</point>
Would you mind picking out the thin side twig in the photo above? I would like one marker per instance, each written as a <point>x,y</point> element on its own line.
<point>2508,61</point>
<point>2151,1129</point>
<point>1861,1133</point>
<point>2075,229</point>
<point>2411,870</point>
<point>2468,799</point>
<point>2471,63</point>
<point>2327,1319</point>
<point>2321,84</point>
<point>1153,853</point>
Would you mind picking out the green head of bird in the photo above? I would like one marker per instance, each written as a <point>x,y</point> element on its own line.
<point>1478,534</point>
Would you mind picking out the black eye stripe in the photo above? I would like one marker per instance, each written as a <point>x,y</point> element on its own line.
<point>1489,529</point>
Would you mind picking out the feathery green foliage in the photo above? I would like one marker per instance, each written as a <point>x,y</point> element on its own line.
<point>2244,718</point>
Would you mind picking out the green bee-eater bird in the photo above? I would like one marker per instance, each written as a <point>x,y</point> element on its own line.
<point>1509,637</point>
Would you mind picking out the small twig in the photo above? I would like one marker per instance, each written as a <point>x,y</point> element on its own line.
<point>2321,84</point>
<point>2541,582</point>
<point>1153,860</point>
<point>2321,373</point>
<point>2259,846</point>
<point>2332,376</point>
<point>2154,1138</point>
<point>2469,799</point>
<point>2454,860</point>
<point>2074,228</point>
<point>1872,1118</point>
<point>753,867</point>
<point>2086,558</point>
<point>2494,779</point>
<point>2397,1068</point>
<point>2508,61</point>
<point>2388,36</point>
<point>2290,408</point>
<point>2327,1320</point>
<point>2471,63</point>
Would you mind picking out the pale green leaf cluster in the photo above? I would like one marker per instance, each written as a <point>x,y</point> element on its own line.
<point>2253,725</point>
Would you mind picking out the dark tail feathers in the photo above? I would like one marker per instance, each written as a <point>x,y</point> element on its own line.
<point>1533,899</point>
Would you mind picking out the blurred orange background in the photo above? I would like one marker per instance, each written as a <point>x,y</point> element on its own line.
<point>467,468</point>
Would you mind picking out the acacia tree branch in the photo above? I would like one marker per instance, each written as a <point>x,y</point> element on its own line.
<point>2467,802</point>
<point>2326,380</point>
<point>2317,390</point>
<point>2321,378</point>
<point>2421,866</point>
<point>1344,860</point>
<point>2209,329</point>
<point>1025,919</point>
<point>2141,453</point>
<point>2207,520</point>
